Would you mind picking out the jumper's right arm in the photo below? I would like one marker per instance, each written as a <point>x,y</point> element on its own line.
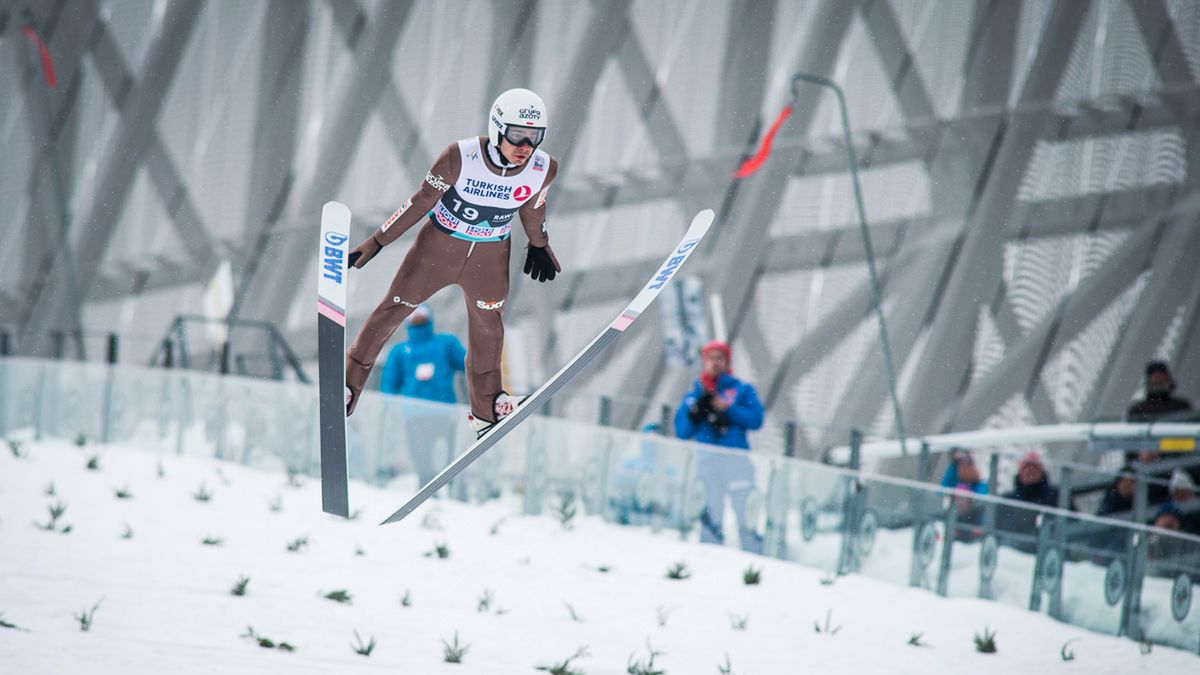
<point>439,178</point>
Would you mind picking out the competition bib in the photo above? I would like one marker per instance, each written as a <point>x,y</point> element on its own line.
<point>480,206</point>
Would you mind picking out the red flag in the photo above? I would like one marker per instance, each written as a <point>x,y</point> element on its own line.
<point>44,52</point>
<point>751,164</point>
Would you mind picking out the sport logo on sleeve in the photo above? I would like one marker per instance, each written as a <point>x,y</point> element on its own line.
<point>396,216</point>
<point>436,182</point>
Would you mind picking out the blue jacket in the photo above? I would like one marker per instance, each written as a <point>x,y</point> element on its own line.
<point>950,480</point>
<point>424,366</point>
<point>745,413</point>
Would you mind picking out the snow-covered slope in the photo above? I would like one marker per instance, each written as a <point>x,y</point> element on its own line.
<point>167,606</point>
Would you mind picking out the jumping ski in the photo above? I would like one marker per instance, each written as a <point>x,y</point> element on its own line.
<point>331,356</point>
<point>649,292</point>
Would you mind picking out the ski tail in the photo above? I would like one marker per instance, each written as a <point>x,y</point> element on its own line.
<point>331,355</point>
<point>666,272</point>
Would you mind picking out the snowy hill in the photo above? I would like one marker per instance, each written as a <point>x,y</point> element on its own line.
<point>508,588</point>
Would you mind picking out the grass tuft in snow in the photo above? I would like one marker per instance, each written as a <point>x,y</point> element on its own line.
<point>123,492</point>
<point>203,494</point>
<point>81,439</point>
<point>828,628</point>
<point>276,503</point>
<point>752,576</point>
<point>57,509</point>
<point>295,479</point>
<point>644,668</point>
<point>828,579</point>
<point>266,642</point>
<point>739,621</point>
<point>603,569</point>
<point>239,588</point>
<point>986,643</point>
<point>495,529</point>
<point>6,624</point>
<point>127,533</point>
<point>159,470</point>
<point>212,541</point>
<point>86,616</point>
<point>14,446</point>
<point>574,615</point>
<point>360,648</point>
<point>1145,646</point>
<point>725,668</point>
<point>359,552</point>
<point>341,595</point>
<point>485,601</point>
<point>453,652</point>
<point>565,509</point>
<point>93,463</point>
<point>663,613</point>
<point>1067,654</point>
<point>297,544</point>
<point>440,550</point>
<point>679,571</point>
<point>406,599</point>
<point>914,640</point>
<point>564,667</point>
<point>50,490</point>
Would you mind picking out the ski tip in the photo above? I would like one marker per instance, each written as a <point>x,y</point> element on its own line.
<point>702,221</point>
<point>335,210</point>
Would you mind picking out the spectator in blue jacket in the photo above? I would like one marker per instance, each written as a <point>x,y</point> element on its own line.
<point>719,410</point>
<point>963,475</point>
<point>424,367</point>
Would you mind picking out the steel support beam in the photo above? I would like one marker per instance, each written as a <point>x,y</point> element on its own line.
<point>164,175</point>
<point>1162,41</point>
<point>276,128</point>
<point>897,60</point>
<point>1172,271</point>
<point>744,73</point>
<point>121,159</point>
<point>1020,369</point>
<point>975,270</point>
<point>47,223</point>
<point>268,294</point>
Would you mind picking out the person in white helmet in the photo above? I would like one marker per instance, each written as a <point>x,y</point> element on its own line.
<point>468,201</point>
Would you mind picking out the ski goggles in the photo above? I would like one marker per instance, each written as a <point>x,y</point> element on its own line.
<point>518,136</point>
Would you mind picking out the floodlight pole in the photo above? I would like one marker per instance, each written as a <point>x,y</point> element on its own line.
<point>866,237</point>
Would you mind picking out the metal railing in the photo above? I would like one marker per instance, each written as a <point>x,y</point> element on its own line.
<point>1121,578</point>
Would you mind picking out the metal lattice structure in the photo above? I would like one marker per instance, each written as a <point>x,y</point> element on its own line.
<point>1030,171</point>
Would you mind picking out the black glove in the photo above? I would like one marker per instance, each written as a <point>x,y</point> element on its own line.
<point>701,409</point>
<point>366,250</point>
<point>719,420</point>
<point>540,263</point>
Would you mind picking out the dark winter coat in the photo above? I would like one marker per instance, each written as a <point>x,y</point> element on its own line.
<point>1041,492</point>
<point>1113,502</point>
<point>1022,522</point>
<point>1157,406</point>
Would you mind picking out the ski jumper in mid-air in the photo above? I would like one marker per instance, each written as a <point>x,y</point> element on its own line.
<point>471,196</point>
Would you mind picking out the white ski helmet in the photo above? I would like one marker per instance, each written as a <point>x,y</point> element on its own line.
<point>520,116</point>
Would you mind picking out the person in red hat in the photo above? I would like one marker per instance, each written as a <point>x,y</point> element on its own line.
<point>719,409</point>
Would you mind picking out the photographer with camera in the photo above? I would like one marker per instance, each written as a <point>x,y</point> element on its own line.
<point>719,409</point>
